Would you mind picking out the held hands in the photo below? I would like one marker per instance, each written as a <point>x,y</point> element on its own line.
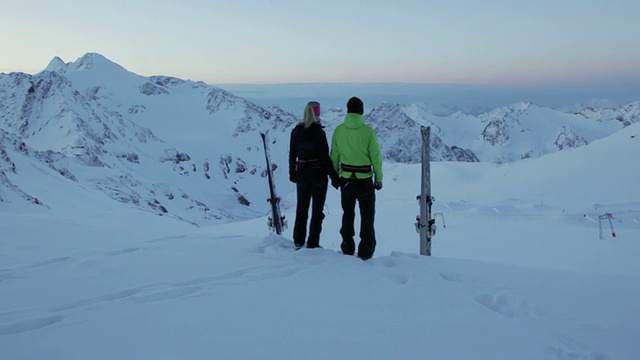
<point>377,185</point>
<point>336,182</point>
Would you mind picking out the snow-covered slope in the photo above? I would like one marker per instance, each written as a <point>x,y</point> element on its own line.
<point>518,272</point>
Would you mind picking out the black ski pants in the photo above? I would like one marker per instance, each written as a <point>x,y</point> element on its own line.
<point>360,191</point>
<point>311,188</point>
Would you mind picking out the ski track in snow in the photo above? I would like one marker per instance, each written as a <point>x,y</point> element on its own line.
<point>28,319</point>
<point>122,251</point>
<point>7,274</point>
<point>52,261</point>
<point>29,325</point>
<point>168,238</point>
<point>34,319</point>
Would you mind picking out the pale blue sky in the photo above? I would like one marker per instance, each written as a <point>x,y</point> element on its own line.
<point>519,42</point>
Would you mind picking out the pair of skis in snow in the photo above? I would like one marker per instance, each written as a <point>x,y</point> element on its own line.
<point>276,221</point>
<point>425,223</point>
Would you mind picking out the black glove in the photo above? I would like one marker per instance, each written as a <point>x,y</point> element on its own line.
<point>292,177</point>
<point>377,185</point>
<point>336,183</point>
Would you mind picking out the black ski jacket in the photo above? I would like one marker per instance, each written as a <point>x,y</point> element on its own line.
<point>309,148</point>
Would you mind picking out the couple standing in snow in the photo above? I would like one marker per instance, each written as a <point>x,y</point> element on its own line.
<point>354,166</point>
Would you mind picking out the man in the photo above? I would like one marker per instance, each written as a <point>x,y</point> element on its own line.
<point>355,154</point>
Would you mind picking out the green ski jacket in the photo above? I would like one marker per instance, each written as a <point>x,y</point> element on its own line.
<point>355,143</point>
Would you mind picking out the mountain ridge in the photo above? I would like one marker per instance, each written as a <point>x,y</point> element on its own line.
<point>191,151</point>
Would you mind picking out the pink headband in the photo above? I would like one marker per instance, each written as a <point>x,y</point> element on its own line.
<point>316,110</point>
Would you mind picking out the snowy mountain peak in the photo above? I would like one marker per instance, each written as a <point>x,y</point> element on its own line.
<point>94,61</point>
<point>521,106</point>
<point>399,136</point>
<point>56,65</point>
<point>175,148</point>
<point>88,62</point>
<point>507,113</point>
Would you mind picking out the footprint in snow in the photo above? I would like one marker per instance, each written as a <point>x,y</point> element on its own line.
<point>452,277</point>
<point>506,304</point>
<point>569,348</point>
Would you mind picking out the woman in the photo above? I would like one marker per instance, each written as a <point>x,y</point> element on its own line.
<point>309,166</point>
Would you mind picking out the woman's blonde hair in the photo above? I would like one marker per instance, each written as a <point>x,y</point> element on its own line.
<point>309,116</point>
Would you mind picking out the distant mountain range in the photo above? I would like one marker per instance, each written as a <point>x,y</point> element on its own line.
<point>191,151</point>
<point>506,134</point>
